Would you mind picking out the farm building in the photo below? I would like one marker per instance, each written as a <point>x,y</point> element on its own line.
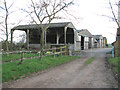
<point>58,34</point>
<point>104,42</point>
<point>87,41</point>
<point>101,41</point>
<point>116,44</point>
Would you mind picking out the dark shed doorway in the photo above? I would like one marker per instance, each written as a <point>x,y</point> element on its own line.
<point>82,43</point>
<point>70,36</point>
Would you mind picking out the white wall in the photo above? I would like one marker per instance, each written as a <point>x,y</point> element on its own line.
<point>86,42</point>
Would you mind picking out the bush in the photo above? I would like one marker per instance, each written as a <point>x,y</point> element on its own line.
<point>14,46</point>
<point>115,63</point>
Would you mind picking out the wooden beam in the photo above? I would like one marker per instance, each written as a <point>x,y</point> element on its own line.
<point>58,37</point>
<point>27,39</point>
<point>65,29</point>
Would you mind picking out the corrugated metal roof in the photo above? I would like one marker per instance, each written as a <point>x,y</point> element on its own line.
<point>35,26</point>
<point>84,32</point>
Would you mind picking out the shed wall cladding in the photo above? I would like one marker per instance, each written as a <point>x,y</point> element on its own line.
<point>86,39</point>
<point>117,48</point>
<point>92,43</point>
<point>78,38</point>
<point>86,44</point>
<point>78,45</point>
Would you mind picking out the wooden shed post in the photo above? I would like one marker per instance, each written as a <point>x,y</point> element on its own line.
<point>65,29</point>
<point>27,39</point>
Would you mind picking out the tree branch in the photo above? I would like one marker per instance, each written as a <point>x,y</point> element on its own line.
<point>1,38</point>
<point>113,13</point>
<point>3,31</point>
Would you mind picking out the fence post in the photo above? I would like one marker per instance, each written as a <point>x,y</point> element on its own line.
<point>22,56</point>
<point>41,54</point>
<point>53,53</point>
<point>70,50</point>
<point>61,51</point>
<point>113,51</point>
<point>65,50</point>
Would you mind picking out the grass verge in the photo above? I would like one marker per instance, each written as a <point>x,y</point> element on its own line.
<point>16,56</point>
<point>12,71</point>
<point>115,63</point>
<point>89,60</point>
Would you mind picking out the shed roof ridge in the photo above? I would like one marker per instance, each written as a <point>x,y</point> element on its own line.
<point>45,24</point>
<point>57,24</point>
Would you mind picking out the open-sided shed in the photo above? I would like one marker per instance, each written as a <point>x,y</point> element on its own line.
<point>100,42</point>
<point>57,34</point>
<point>86,39</point>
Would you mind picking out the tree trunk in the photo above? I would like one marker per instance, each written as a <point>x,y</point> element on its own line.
<point>42,40</point>
<point>7,49</point>
<point>6,41</point>
<point>6,27</point>
<point>41,44</point>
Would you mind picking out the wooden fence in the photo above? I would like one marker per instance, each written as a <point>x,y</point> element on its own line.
<point>45,52</point>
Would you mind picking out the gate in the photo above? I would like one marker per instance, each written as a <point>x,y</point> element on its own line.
<point>79,52</point>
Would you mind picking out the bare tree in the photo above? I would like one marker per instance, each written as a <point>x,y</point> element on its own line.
<point>7,10</point>
<point>113,12</point>
<point>4,24</point>
<point>44,11</point>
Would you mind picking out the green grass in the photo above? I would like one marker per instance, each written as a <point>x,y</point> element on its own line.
<point>0,69</point>
<point>16,56</point>
<point>110,45</point>
<point>12,71</point>
<point>115,63</point>
<point>89,60</point>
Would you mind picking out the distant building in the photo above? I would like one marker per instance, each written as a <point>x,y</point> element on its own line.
<point>86,39</point>
<point>105,42</point>
<point>101,41</point>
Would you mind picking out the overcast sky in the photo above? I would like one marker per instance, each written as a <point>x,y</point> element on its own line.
<point>89,15</point>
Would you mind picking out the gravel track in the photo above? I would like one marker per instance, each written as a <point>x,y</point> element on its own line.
<point>74,74</point>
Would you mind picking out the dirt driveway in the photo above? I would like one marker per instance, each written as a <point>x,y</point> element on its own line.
<point>72,75</point>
